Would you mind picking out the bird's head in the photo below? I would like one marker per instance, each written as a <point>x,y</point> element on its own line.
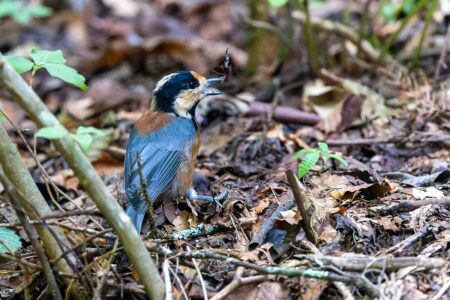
<point>179,93</point>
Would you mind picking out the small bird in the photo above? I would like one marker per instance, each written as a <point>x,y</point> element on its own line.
<point>166,140</point>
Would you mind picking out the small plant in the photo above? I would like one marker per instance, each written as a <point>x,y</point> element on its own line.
<point>21,13</point>
<point>84,135</point>
<point>312,156</point>
<point>10,239</point>
<point>277,3</point>
<point>53,61</point>
<point>390,11</point>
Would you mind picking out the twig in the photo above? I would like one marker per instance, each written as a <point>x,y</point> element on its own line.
<point>443,289</point>
<point>405,244</point>
<point>33,236</point>
<point>284,114</point>
<point>180,284</point>
<point>89,179</point>
<point>44,173</point>
<point>341,286</point>
<point>392,140</point>
<point>167,281</point>
<point>261,235</point>
<point>33,203</point>
<point>199,273</point>
<point>59,215</point>
<point>54,223</point>
<point>17,260</point>
<point>81,244</point>
<point>441,62</point>
<point>101,282</point>
<point>290,272</point>
<point>238,281</point>
<point>302,199</point>
<point>357,263</point>
<point>396,207</point>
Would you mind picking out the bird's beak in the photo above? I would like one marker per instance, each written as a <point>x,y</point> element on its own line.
<point>208,91</point>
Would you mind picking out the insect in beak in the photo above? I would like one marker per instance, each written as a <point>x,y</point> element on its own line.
<point>209,90</point>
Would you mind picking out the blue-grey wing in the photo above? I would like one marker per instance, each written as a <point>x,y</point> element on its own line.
<point>161,152</point>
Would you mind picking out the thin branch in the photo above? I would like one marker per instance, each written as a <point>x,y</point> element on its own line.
<point>167,281</point>
<point>33,236</point>
<point>301,198</point>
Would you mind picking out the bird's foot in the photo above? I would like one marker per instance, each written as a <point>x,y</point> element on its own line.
<point>192,195</point>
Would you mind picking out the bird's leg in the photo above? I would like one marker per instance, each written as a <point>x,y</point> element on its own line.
<point>192,195</point>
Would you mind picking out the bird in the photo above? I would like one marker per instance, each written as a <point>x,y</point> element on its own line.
<point>166,141</point>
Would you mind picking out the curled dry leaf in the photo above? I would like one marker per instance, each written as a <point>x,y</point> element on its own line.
<point>367,190</point>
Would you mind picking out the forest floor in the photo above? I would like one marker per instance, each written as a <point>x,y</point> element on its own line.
<point>381,220</point>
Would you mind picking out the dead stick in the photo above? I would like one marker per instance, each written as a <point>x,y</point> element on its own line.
<point>301,198</point>
<point>393,140</point>
<point>358,263</point>
<point>406,205</point>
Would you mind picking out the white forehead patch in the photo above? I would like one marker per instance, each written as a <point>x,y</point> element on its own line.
<point>163,81</point>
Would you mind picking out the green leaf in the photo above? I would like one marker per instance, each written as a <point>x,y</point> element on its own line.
<point>11,239</point>
<point>318,4</point>
<point>2,117</point>
<point>50,133</point>
<point>339,159</point>
<point>22,14</point>
<point>90,130</point>
<point>43,57</point>
<point>66,74</point>
<point>38,11</point>
<point>408,6</point>
<point>303,151</point>
<point>388,11</point>
<point>324,150</point>
<point>85,140</point>
<point>277,3</point>
<point>8,8</point>
<point>54,63</point>
<point>307,163</point>
<point>20,64</point>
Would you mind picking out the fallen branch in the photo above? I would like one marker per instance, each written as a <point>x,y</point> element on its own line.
<point>358,263</point>
<point>402,206</point>
<point>284,114</point>
<point>359,281</point>
<point>301,198</point>
<point>261,235</point>
<point>393,140</point>
<point>89,179</point>
<point>238,281</point>
<point>345,291</point>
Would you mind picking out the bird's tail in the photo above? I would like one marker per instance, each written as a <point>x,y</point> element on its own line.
<point>136,217</point>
